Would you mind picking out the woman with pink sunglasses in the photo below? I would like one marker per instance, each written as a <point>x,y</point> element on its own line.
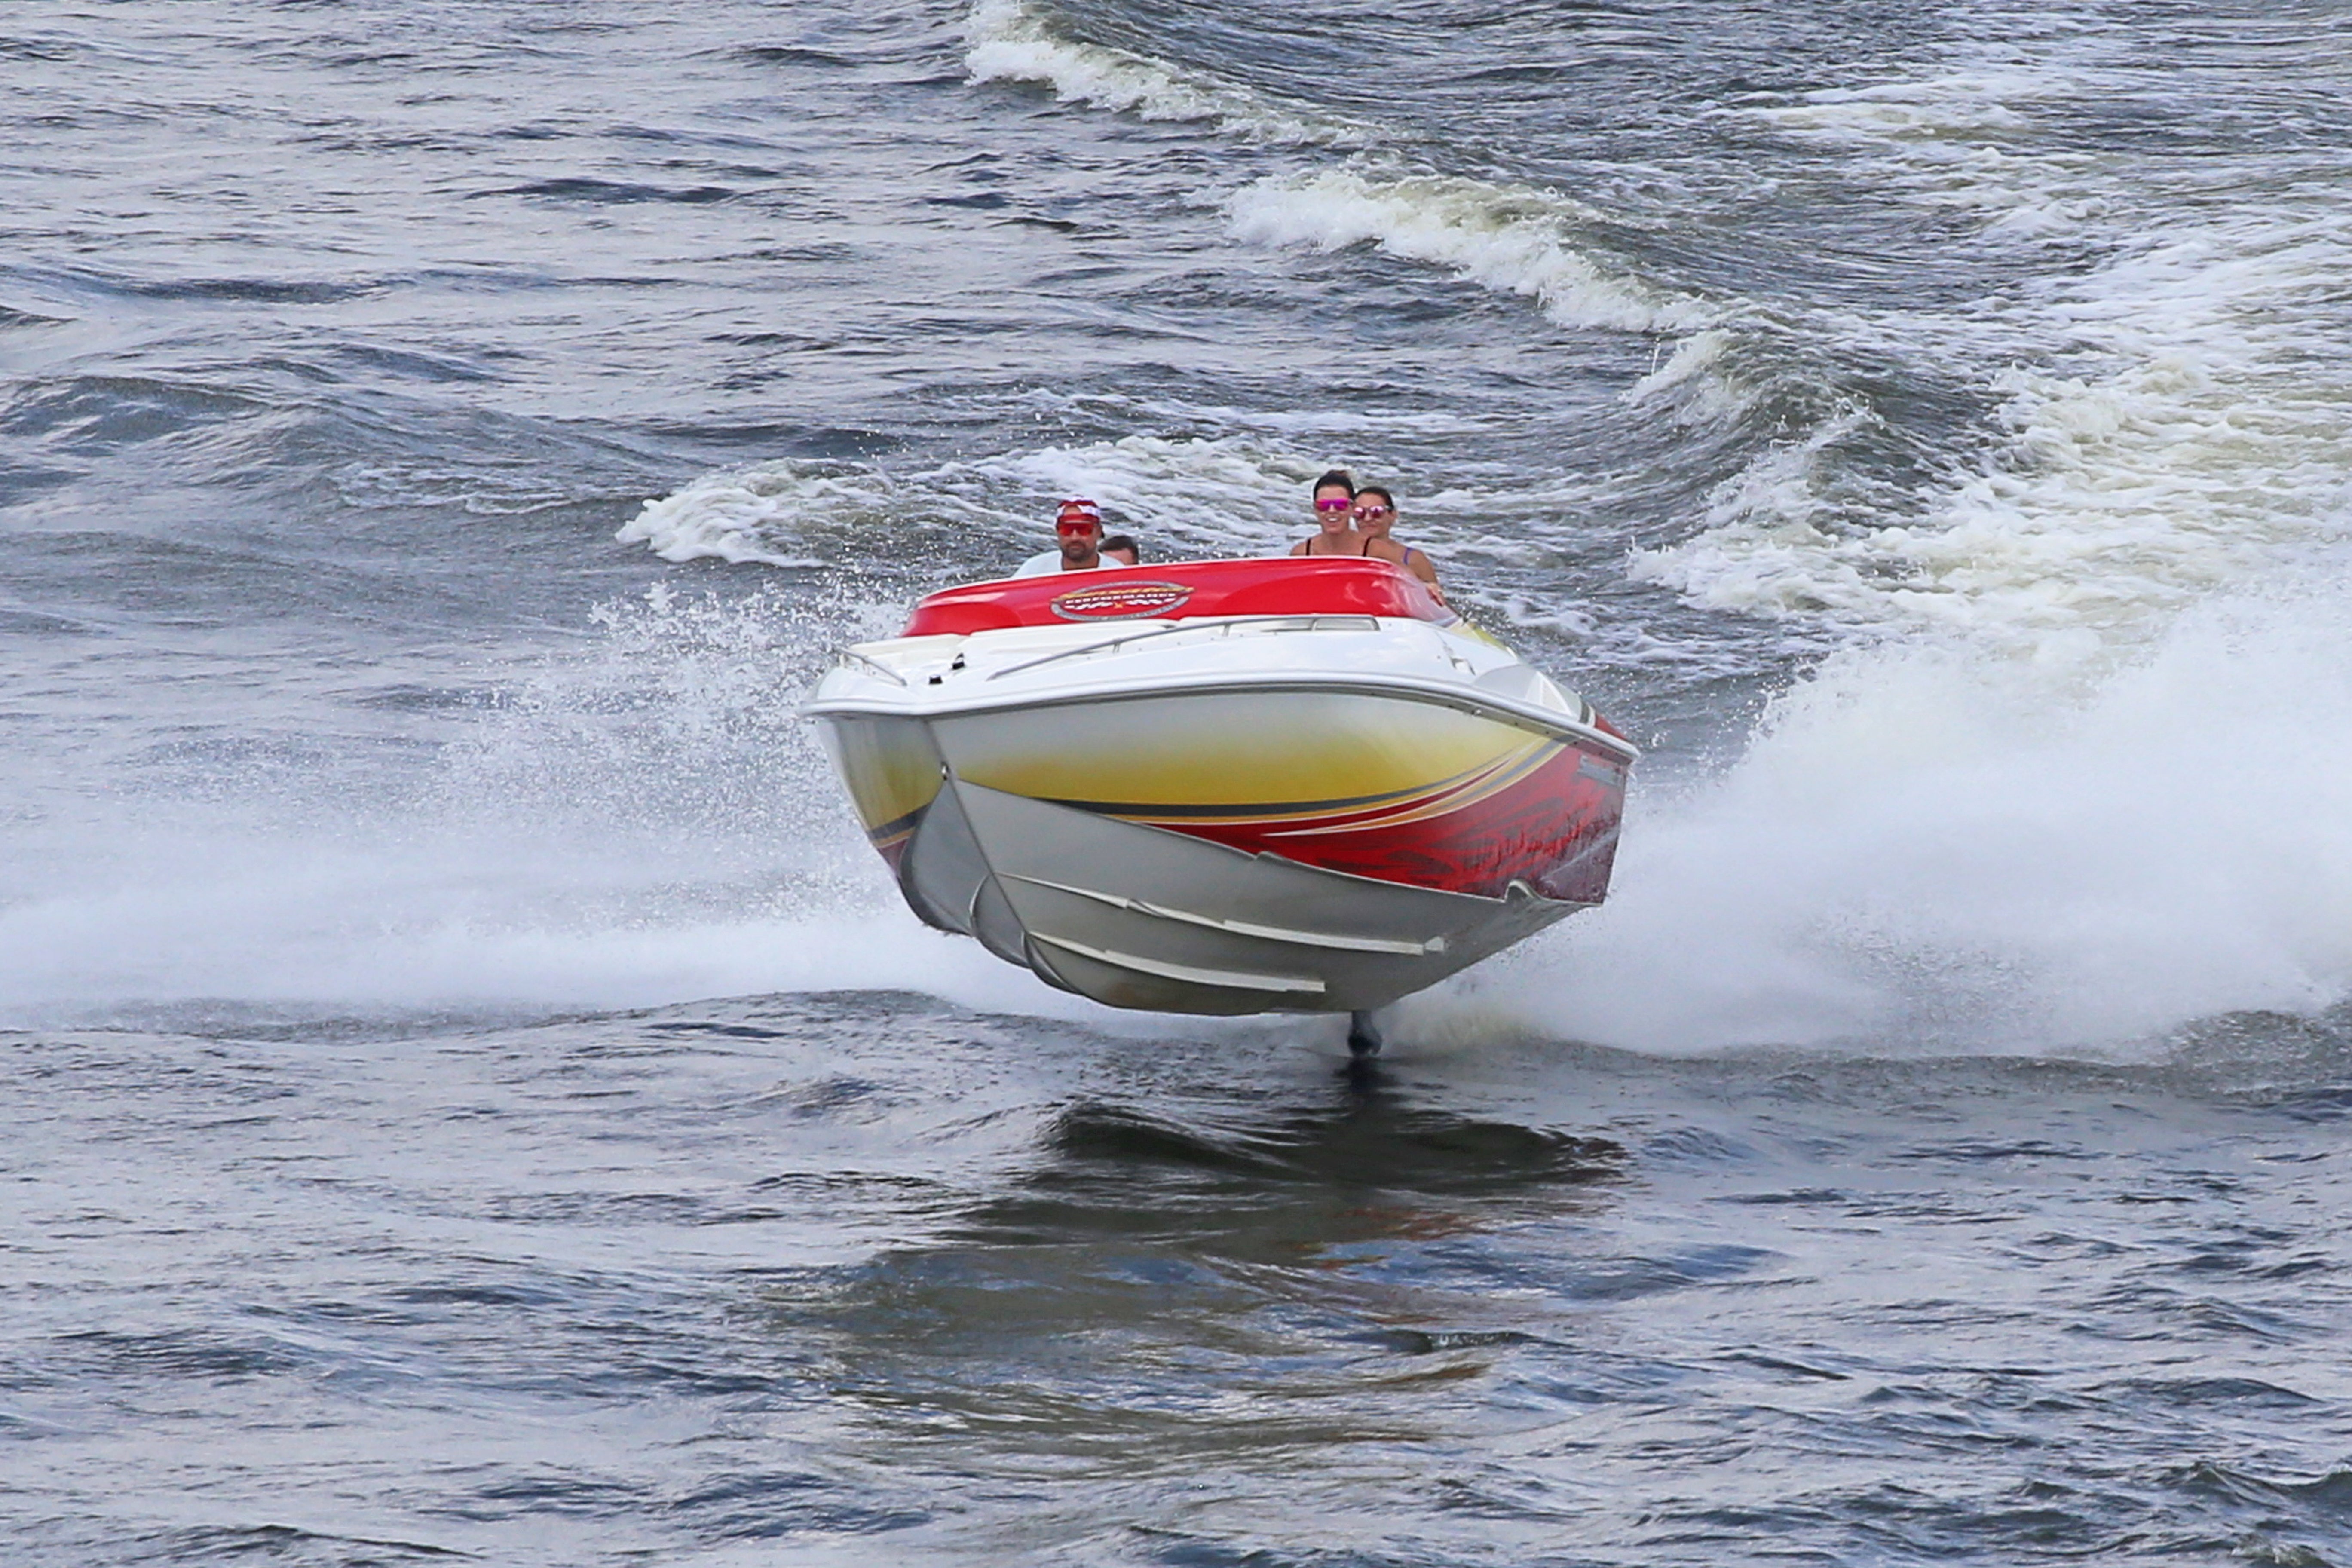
<point>1335,516</point>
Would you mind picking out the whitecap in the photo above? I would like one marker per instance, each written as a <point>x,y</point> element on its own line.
<point>1008,41</point>
<point>1512,239</point>
<point>762,513</point>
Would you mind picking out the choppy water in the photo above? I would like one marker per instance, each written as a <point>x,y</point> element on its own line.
<point>472,1095</point>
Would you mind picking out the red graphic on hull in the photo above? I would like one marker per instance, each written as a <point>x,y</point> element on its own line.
<point>1553,826</point>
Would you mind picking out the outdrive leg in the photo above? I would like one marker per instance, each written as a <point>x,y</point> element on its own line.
<point>1363,1036</point>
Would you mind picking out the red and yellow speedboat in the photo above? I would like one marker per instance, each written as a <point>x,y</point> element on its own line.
<point>1230,786</point>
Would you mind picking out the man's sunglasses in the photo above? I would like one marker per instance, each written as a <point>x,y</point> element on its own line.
<point>1077,527</point>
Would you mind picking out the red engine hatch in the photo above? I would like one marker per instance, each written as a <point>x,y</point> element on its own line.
<point>1285,586</point>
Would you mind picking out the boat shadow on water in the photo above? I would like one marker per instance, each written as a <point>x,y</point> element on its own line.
<point>1308,1187</point>
<point>1317,1263</point>
<point>1371,1139</point>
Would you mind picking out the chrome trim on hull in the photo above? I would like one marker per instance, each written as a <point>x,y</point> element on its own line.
<point>1242,928</point>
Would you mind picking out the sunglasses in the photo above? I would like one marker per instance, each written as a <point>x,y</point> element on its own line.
<point>1333,503</point>
<point>1077,527</point>
<point>1374,511</point>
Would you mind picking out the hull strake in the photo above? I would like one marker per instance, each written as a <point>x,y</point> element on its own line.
<point>1134,916</point>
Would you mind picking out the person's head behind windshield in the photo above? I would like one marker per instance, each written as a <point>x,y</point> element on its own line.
<point>1077,529</point>
<point>1335,501</point>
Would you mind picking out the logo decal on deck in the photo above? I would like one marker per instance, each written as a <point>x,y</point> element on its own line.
<point>1120,601</point>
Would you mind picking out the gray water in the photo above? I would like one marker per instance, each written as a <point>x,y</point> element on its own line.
<point>475,1095</point>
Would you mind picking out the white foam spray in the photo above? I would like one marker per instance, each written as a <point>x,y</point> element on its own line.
<point>636,820</point>
<point>1930,848</point>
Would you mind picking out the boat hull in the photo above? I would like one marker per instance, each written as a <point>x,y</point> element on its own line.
<point>1251,847</point>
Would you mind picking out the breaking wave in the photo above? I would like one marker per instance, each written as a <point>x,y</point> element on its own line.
<point>1009,41</point>
<point>775,513</point>
<point>1513,240</point>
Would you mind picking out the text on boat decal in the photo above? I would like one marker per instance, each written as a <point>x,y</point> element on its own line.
<point>1120,601</point>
